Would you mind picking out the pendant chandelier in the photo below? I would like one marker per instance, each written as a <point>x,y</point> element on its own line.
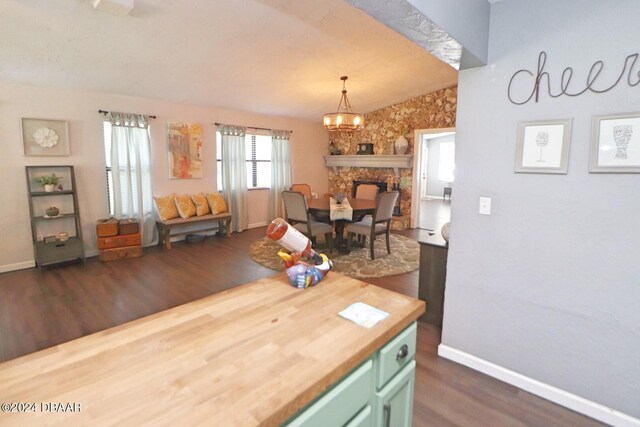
<point>343,119</point>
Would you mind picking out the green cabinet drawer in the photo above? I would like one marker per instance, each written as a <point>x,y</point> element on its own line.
<point>340,404</point>
<point>396,354</point>
<point>363,419</point>
<point>394,403</point>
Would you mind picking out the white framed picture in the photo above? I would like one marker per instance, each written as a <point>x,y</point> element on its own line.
<point>543,146</point>
<point>43,137</point>
<point>615,143</point>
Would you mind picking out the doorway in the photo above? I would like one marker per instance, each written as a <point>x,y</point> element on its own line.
<point>433,178</point>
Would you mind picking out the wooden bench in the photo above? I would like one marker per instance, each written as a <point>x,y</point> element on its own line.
<point>164,227</point>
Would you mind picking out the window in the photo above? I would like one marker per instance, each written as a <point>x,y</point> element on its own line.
<point>446,162</point>
<point>258,152</point>
<point>145,174</point>
<point>258,149</point>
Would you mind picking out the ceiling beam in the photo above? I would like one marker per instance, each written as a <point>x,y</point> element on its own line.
<point>455,31</point>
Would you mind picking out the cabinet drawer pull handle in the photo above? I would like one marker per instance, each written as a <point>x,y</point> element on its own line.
<point>387,414</point>
<point>402,353</point>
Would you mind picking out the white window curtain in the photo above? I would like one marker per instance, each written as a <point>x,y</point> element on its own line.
<point>280,171</point>
<point>131,171</point>
<point>234,174</point>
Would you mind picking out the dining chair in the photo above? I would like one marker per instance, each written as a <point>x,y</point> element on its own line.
<point>302,188</point>
<point>295,205</point>
<point>367,191</point>
<point>306,190</point>
<point>381,223</point>
<point>446,192</point>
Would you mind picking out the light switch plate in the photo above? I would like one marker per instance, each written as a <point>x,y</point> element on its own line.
<point>485,206</point>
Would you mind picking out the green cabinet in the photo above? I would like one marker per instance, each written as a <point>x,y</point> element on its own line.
<point>394,403</point>
<point>338,406</point>
<point>363,419</point>
<point>397,353</point>
<point>378,393</point>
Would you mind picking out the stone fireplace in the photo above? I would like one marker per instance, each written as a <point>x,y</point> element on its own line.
<point>343,182</point>
<point>386,171</point>
<point>430,111</point>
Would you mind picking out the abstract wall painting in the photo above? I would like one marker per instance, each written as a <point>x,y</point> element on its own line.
<point>543,146</point>
<point>185,150</point>
<point>615,143</point>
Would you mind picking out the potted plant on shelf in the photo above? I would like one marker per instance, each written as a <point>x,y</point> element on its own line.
<point>48,181</point>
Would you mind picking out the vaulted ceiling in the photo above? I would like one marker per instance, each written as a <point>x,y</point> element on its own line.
<point>281,57</point>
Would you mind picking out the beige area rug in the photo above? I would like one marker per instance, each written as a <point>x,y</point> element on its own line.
<point>404,257</point>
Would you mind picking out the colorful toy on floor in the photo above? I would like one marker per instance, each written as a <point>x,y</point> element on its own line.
<point>302,274</point>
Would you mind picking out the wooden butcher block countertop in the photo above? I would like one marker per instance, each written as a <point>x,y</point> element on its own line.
<point>252,355</point>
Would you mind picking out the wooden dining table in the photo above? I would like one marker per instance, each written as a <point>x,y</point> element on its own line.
<point>320,208</point>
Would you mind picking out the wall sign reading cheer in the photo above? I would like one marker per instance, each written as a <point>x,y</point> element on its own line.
<point>541,77</point>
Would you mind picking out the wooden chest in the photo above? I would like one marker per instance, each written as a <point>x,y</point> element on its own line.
<point>128,226</point>
<point>120,253</point>
<point>107,227</point>
<point>119,241</point>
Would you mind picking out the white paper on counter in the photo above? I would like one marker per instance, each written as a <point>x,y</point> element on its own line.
<point>363,314</point>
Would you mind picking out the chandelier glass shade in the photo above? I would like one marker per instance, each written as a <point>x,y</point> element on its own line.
<point>344,119</point>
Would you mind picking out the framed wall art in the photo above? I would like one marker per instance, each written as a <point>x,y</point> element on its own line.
<point>543,146</point>
<point>615,143</point>
<point>185,150</point>
<point>42,137</point>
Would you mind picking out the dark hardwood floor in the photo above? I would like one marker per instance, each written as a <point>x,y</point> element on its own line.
<point>434,213</point>
<point>43,309</point>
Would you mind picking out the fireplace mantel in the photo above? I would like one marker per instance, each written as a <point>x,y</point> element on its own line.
<point>395,162</point>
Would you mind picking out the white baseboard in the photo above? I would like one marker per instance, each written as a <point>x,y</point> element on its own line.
<point>258,224</point>
<point>91,252</point>
<point>17,266</point>
<point>564,398</point>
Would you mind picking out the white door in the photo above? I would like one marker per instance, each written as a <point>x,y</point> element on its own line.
<point>424,156</point>
<point>422,171</point>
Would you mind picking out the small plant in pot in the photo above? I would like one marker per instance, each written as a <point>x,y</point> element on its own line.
<point>339,197</point>
<point>48,181</point>
<point>52,211</point>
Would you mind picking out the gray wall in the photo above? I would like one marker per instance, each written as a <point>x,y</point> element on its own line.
<point>435,187</point>
<point>549,284</point>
